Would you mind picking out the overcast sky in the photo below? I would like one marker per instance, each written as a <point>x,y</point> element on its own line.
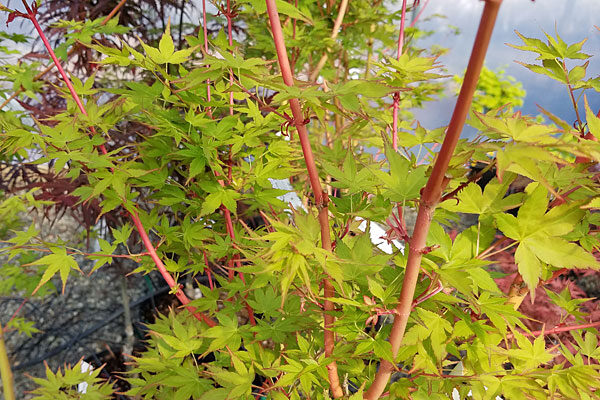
<point>574,21</point>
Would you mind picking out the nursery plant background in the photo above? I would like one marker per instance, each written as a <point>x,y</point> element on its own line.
<point>171,137</point>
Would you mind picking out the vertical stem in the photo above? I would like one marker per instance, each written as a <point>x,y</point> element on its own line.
<point>229,222</point>
<point>230,38</point>
<point>205,30</point>
<point>236,257</point>
<point>182,9</point>
<point>401,33</point>
<point>334,32</point>
<point>294,49</point>
<point>573,101</point>
<point>397,94</point>
<point>5,371</point>
<point>432,192</point>
<point>321,198</point>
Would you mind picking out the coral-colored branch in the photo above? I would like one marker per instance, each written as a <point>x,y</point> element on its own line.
<point>432,193</point>
<point>228,15</point>
<point>321,198</point>
<point>211,285</point>
<point>401,33</point>
<point>165,274</point>
<point>135,218</point>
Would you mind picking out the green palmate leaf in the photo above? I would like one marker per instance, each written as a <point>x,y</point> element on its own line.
<point>529,266</point>
<point>224,334</point>
<point>23,326</point>
<point>166,45</point>
<point>561,253</point>
<point>564,301</point>
<point>530,355</point>
<point>539,235</point>
<point>492,200</point>
<point>58,261</point>
<point>352,177</point>
<point>64,384</point>
<point>404,182</point>
<point>23,237</point>
<point>545,51</point>
<point>214,200</point>
<point>165,53</point>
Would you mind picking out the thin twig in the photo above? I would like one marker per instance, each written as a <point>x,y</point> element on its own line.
<point>573,101</point>
<point>397,94</point>
<point>334,32</point>
<point>414,21</point>
<point>559,329</point>
<point>205,31</point>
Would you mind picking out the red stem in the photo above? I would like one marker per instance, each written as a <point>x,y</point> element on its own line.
<point>135,218</point>
<point>432,193</point>
<point>63,74</point>
<point>236,257</point>
<point>401,34</point>
<point>560,329</point>
<point>208,272</point>
<point>4,329</point>
<point>320,197</point>
<point>165,274</point>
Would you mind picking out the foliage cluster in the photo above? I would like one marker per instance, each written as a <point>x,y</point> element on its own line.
<point>178,147</point>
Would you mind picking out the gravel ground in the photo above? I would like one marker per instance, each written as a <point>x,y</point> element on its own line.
<point>85,320</point>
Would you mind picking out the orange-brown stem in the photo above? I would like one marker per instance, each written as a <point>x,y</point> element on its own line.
<point>432,193</point>
<point>321,198</point>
